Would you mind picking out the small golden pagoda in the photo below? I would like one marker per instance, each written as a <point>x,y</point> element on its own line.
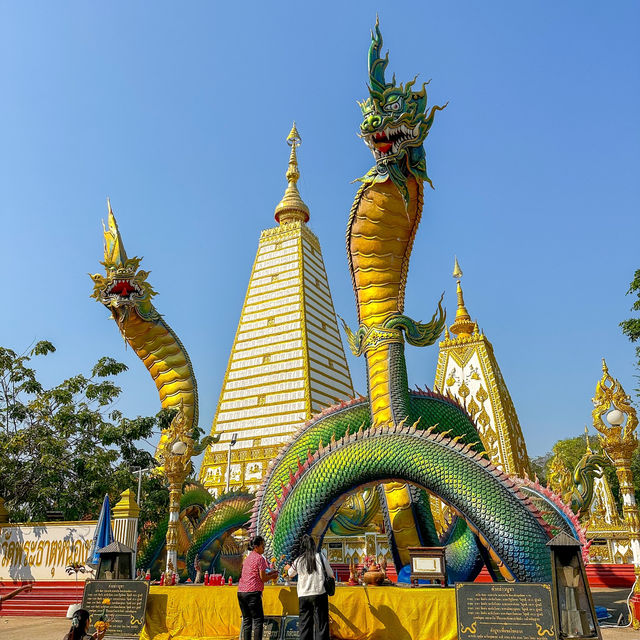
<point>468,370</point>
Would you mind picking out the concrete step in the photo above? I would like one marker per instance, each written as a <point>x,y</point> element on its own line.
<point>43,599</point>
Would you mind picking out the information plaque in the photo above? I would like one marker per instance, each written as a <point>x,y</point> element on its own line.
<point>505,611</point>
<point>123,601</point>
<point>271,628</point>
<point>290,628</point>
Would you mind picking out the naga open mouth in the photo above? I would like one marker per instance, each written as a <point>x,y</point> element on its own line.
<point>124,289</point>
<point>390,140</point>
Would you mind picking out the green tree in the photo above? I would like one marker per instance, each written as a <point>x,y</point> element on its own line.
<point>571,451</point>
<point>62,448</point>
<point>631,327</point>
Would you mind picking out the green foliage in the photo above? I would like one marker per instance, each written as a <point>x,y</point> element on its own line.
<point>631,327</point>
<point>571,451</point>
<point>64,447</point>
<point>539,466</point>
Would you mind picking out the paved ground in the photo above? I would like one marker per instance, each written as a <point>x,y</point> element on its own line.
<point>21,628</point>
<point>615,600</point>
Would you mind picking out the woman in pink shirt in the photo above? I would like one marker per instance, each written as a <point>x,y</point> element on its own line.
<point>250,588</point>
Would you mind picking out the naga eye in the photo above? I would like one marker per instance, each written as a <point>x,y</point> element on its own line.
<point>394,106</point>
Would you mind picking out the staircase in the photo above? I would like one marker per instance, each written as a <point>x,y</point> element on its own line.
<point>47,599</point>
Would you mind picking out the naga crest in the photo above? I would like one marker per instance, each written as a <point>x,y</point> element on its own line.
<point>125,286</point>
<point>395,124</point>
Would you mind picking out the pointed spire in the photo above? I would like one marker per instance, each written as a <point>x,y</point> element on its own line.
<point>291,207</point>
<point>586,437</point>
<point>463,326</point>
<point>457,271</point>
<point>114,253</point>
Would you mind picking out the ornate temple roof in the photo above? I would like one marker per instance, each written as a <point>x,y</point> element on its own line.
<point>467,369</point>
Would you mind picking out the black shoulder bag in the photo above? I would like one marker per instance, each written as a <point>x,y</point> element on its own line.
<point>329,583</point>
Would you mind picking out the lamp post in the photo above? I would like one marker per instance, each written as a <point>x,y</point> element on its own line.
<point>616,421</point>
<point>139,472</point>
<point>234,439</point>
<point>175,454</point>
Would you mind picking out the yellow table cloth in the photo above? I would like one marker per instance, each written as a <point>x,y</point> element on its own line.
<point>357,613</point>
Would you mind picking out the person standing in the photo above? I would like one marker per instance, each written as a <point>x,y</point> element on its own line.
<point>250,587</point>
<point>313,601</point>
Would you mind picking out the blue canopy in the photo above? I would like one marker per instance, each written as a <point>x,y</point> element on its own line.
<point>103,535</point>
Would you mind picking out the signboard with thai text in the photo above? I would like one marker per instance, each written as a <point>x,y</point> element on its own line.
<point>43,551</point>
<point>504,611</point>
<point>119,603</point>
<point>290,628</point>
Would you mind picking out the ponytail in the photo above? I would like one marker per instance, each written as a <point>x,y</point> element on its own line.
<point>78,625</point>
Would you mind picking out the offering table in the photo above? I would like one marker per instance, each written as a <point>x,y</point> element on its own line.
<point>357,613</point>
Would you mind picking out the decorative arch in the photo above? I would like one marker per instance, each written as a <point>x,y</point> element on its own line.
<point>505,521</point>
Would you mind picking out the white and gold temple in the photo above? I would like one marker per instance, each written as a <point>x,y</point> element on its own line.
<point>468,370</point>
<point>287,362</point>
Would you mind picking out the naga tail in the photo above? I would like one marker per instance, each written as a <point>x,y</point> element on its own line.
<point>124,290</point>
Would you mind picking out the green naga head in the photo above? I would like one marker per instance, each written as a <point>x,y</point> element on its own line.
<point>124,287</point>
<point>395,124</point>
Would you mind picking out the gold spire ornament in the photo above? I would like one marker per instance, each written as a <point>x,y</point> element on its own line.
<point>619,440</point>
<point>586,437</point>
<point>618,433</point>
<point>457,271</point>
<point>292,208</point>
<point>467,369</point>
<point>463,326</point>
<point>114,252</point>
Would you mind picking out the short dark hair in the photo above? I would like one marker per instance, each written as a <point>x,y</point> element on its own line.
<point>256,542</point>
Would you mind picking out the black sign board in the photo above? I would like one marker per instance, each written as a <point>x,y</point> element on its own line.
<point>270,628</point>
<point>505,611</point>
<point>123,601</point>
<point>290,628</point>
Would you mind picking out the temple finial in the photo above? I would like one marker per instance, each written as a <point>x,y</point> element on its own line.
<point>605,369</point>
<point>463,326</point>
<point>292,207</point>
<point>457,271</point>
<point>586,437</point>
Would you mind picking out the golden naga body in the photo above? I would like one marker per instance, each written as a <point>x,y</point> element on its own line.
<point>380,233</point>
<point>124,290</point>
<point>380,236</point>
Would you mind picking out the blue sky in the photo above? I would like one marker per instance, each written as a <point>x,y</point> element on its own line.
<point>178,112</point>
